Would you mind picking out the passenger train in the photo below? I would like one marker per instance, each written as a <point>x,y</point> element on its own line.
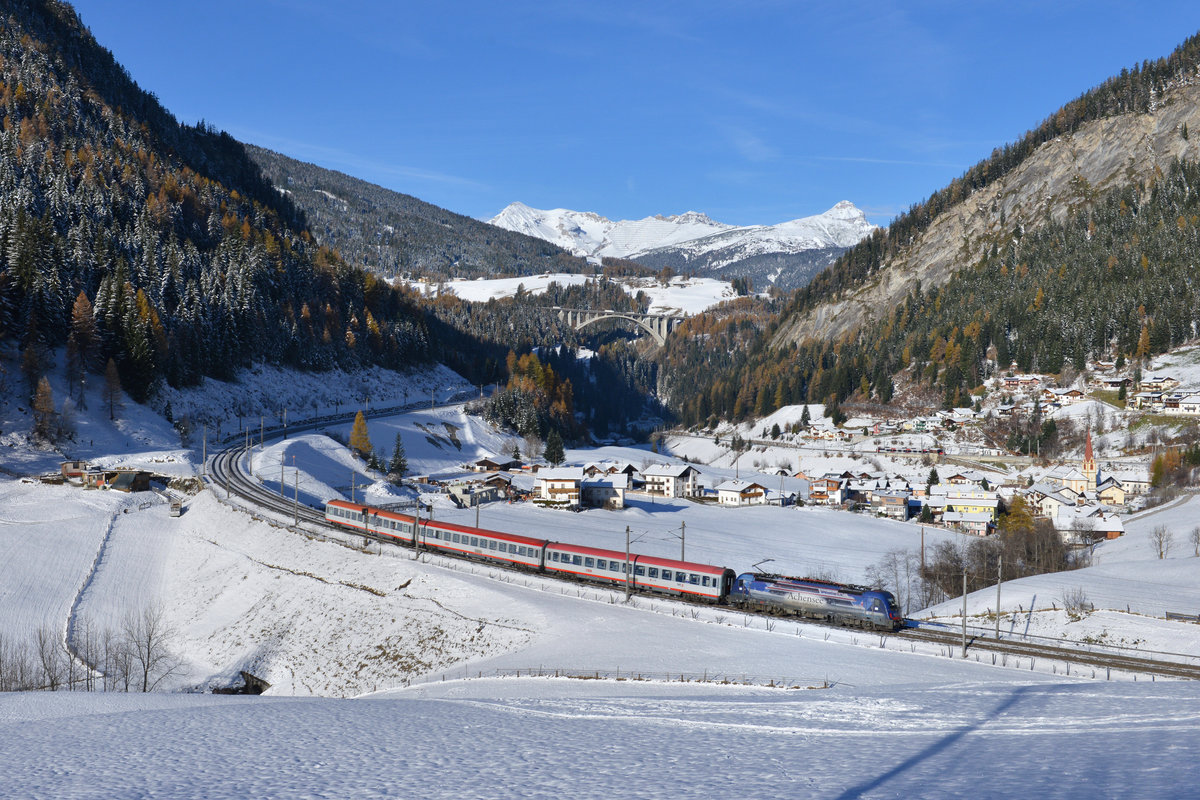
<point>833,602</point>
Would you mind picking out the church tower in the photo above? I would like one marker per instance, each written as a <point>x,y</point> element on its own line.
<point>1089,463</point>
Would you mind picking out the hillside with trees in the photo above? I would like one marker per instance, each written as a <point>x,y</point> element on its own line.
<point>1103,273</point>
<point>1128,129</point>
<point>127,236</point>
<point>396,235</point>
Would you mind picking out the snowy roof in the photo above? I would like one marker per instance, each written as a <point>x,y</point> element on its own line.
<point>618,480</point>
<point>950,517</point>
<point>736,485</point>
<point>561,474</point>
<point>667,470</point>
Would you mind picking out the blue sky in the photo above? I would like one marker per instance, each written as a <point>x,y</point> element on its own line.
<point>752,112</point>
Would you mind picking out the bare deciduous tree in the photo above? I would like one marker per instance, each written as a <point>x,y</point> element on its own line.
<point>1162,539</point>
<point>148,636</point>
<point>50,658</point>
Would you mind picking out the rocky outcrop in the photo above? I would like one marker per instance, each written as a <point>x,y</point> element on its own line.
<point>1058,178</point>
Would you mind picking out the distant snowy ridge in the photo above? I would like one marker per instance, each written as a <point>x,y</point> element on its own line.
<point>587,234</point>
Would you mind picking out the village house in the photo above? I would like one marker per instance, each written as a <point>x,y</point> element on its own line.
<point>979,523</point>
<point>671,480</point>
<point>891,504</point>
<point>1063,397</point>
<point>605,491</point>
<point>736,492</point>
<point>560,487</point>
<point>495,465</point>
<point>74,469</point>
<point>1158,383</point>
<point>466,494</point>
<point>1080,525</point>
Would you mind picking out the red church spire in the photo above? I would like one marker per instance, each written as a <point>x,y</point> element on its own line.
<point>1089,462</point>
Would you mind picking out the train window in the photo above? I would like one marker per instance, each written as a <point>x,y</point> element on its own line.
<point>590,563</point>
<point>639,570</point>
<point>601,564</point>
<point>704,581</point>
<point>680,577</point>
<point>577,561</point>
<point>503,547</point>
<point>654,572</point>
<point>693,578</point>
<point>454,537</point>
<point>554,556</point>
<point>492,544</point>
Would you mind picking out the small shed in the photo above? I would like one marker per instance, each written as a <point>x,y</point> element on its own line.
<point>130,481</point>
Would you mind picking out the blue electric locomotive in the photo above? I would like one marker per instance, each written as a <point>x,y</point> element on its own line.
<point>805,597</point>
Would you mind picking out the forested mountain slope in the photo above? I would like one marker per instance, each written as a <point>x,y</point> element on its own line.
<point>127,236</point>
<point>394,234</point>
<point>1064,246</point>
<point>1125,131</point>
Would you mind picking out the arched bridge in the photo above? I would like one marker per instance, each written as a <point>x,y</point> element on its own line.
<point>657,325</point>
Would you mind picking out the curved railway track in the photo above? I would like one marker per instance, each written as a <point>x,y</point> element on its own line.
<point>227,473</point>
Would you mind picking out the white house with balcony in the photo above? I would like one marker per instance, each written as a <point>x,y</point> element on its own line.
<point>741,493</point>
<point>560,487</point>
<point>671,480</point>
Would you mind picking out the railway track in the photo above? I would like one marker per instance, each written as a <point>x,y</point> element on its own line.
<point>227,473</point>
<point>1068,655</point>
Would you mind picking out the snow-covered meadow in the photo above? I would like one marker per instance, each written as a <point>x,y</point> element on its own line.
<point>414,642</point>
<point>679,296</point>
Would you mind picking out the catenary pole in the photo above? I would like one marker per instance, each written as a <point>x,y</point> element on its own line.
<point>628,585</point>
<point>964,643</point>
<point>999,580</point>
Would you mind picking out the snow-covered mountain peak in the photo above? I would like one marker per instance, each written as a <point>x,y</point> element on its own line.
<point>693,233</point>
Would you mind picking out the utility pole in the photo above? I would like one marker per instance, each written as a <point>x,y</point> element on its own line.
<point>964,643</point>
<point>351,482</point>
<point>999,580</point>
<point>285,422</point>
<point>682,540</point>
<point>476,501</point>
<point>282,485</point>
<point>261,429</point>
<point>204,456</point>
<point>297,493</point>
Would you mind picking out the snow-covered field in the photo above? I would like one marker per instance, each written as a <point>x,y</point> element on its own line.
<point>679,296</point>
<point>324,621</point>
<point>544,738</point>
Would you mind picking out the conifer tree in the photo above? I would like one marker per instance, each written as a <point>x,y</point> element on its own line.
<point>360,439</point>
<point>43,410</point>
<point>398,466</point>
<point>554,449</point>
<point>84,332</point>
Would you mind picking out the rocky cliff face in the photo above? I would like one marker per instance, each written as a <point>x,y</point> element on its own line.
<point>1060,177</point>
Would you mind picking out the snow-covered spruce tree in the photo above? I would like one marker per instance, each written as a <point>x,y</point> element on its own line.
<point>554,449</point>
<point>398,466</point>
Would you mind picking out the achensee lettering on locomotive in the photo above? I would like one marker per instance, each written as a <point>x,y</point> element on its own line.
<point>805,597</point>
